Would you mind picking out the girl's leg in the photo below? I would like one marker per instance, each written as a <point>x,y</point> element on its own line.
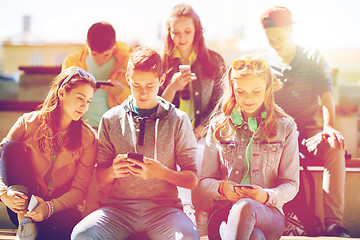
<point>16,167</point>
<point>59,226</point>
<point>16,171</point>
<point>247,215</point>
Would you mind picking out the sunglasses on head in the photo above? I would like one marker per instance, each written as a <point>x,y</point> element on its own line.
<point>81,73</point>
<point>240,64</point>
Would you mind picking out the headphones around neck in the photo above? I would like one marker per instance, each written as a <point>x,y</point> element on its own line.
<point>252,122</point>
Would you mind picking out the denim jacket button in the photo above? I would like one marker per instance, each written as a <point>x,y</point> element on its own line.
<point>242,140</point>
<point>245,127</point>
<point>196,93</point>
<point>240,156</point>
<point>197,112</point>
<point>236,172</point>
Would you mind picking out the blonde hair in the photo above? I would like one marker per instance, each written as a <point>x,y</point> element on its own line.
<point>227,103</point>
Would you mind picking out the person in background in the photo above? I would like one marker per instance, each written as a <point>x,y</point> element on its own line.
<point>197,89</point>
<point>305,78</point>
<point>50,154</point>
<point>140,143</point>
<point>106,59</point>
<point>251,165</point>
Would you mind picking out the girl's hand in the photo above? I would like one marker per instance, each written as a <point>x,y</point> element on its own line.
<point>148,169</point>
<point>40,213</point>
<point>180,80</point>
<point>256,193</point>
<point>16,201</point>
<point>198,131</point>
<point>121,166</point>
<point>229,192</point>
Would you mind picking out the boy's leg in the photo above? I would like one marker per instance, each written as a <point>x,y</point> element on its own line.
<point>334,184</point>
<point>168,222</point>
<point>105,223</point>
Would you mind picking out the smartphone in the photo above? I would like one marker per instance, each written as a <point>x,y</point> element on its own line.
<point>32,203</point>
<point>244,186</point>
<point>105,83</point>
<point>137,156</point>
<point>184,68</point>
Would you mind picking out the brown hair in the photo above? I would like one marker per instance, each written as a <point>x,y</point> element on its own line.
<point>185,10</point>
<point>145,59</point>
<point>101,37</point>
<point>228,102</point>
<point>50,114</point>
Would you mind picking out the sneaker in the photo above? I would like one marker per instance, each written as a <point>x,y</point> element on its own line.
<point>27,230</point>
<point>335,230</point>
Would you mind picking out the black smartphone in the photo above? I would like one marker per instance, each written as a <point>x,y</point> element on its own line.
<point>244,186</point>
<point>105,83</point>
<point>137,156</point>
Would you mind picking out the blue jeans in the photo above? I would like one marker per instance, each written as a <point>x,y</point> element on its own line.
<point>126,217</point>
<point>246,219</point>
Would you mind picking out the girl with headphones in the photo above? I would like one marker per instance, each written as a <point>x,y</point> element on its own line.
<point>251,165</point>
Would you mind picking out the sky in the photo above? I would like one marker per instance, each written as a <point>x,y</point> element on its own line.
<point>323,23</point>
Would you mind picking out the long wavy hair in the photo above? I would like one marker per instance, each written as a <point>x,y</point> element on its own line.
<point>227,103</point>
<point>185,10</point>
<point>50,115</point>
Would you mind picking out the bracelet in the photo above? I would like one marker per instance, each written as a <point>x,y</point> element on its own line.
<point>267,198</point>
<point>221,189</point>
<point>50,209</point>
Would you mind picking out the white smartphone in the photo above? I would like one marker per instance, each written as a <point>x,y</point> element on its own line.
<point>184,68</point>
<point>32,203</point>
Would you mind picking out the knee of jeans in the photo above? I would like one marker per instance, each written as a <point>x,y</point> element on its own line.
<point>257,234</point>
<point>187,235</point>
<point>79,234</point>
<point>244,206</point>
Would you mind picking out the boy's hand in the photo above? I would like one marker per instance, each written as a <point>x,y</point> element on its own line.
<point>149,169</point>
<point>115,90</point>
<point>121,166</point>
<point>15,200</point>
<point>40,212</point>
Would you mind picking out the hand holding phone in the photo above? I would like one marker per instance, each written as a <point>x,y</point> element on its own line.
<point>32,203</point>
<point>137,156</point>
<point>184,68</point>
<point>103,83</point>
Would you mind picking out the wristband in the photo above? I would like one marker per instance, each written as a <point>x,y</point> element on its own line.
<point>50,209</point>
<point>221,189</point>
<point>267,198</point>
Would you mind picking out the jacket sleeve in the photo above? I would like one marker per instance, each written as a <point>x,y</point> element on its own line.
<point>83,175</point>
<point>289,171</point>
<point>211,168</point>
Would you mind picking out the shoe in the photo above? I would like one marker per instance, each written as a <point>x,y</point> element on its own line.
<point>335,230</point>
<point>27,230</point>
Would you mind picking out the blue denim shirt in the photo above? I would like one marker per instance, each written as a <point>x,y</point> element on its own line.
<point>274,165</point>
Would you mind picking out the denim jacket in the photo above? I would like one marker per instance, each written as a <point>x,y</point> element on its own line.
<point>274,165</point>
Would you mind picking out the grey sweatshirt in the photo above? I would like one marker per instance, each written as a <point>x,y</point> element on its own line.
<point>166,135</point>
